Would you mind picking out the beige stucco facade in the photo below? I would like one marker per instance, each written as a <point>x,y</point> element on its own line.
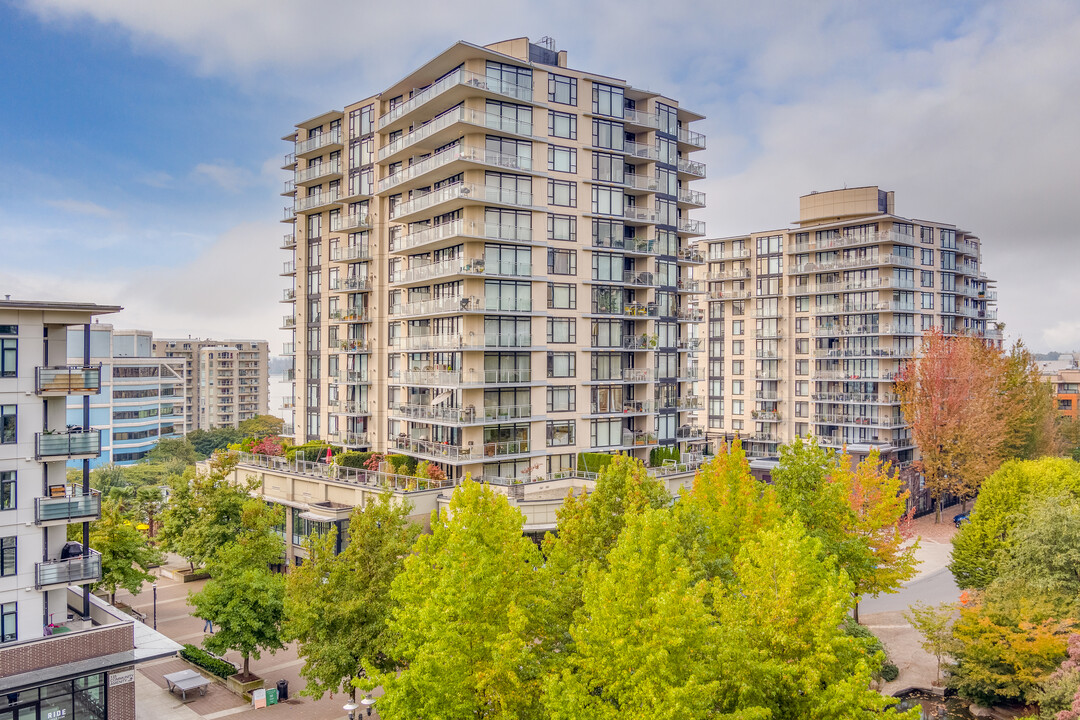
<point>807,326</point>
<point>490,267</point>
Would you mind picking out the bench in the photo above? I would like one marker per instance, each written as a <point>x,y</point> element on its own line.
<point>186,680</point>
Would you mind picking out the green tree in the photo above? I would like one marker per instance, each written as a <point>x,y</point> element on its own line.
<point>126,554</point>
<point>589,526</point>
<point>982,543</point>
<point>466,617</point>
<point>337,606</point>
<point>204,510</point>
<point>261,426</point>
<point>1032,416</point>
<point>1044,555</point>
<point>244,598</point>
<point>934,624</point>
<point>206,442</point>
<point>174,450</point>
<point>784,648</point>
<point>645,644</point>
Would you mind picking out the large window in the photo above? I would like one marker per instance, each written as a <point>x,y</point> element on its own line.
<point>607,134</point>
<point>560,433</point>
<point>511,79</point>
<point>607,100</point>
<point>507,295</point>
<point>562,193</point>
<point>9,626</point>
<point>605,433</point>
<point>561,398</point>
<point>562,125</point>
<point>562,89</point>
<point>8,557</point>
<point>608,168</point>
<point>561,330</point>
<point>562,296</point>
<point>562,227</point>
<point>607,200</point>
<point>562,159</point>
<point>561,364</point>
<point>508,153</point>
<point>7,423</point>
<point>7,490</point>
<point>509,117</point>
<point>562,262</point>
<point>9,354</point>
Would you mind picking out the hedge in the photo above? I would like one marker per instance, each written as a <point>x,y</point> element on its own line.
<point>217,666</point>
<point>657,456</point>
<point>402,464</point>
<point>353,459</point>
<point>312,451</point>
<point>593,462</point>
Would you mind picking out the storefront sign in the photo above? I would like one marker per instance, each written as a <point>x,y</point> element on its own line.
<point>121,678</point>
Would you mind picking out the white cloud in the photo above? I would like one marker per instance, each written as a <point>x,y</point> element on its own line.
<point>227,177</point>
<point>81,207</point>
<point>226,291</point>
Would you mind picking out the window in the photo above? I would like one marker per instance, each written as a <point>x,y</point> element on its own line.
<point>562,227</point>
<point>802,367</point>
<point>738,327</point>
<point>513,80</point>
<point>561,398</point>
<point>928,257</point>
<point>7,423</point>
<point>7,490</point>
<point>562,89</point>
<point>738,387</point>
<point>562,125</point>
<point>802,325</point>
<point>926,278</point>
<point>8,556</point>
<point>562,193</point>
<point>562,159</point>
<point>802,346</point>
<point>9,627</point>
<point>927,322</point>
<point>927,301</point>
<point>607,100</point>
<point>737,367</point>
<point>561,330</point>
<point>802,409</point>
<point>737,407</point>
<point>802,388</point>
<point>607,200</point>
<point>607,134</point>
<point>560,433</point>
<point>802,303</point>
<point>9,353</point>
<point>604,433</point>
<point>561,364</point>
<point>609,168</point>
<point>562,296</point>
<point>1065,404</point>
<point>738,347</point>
<point>562,262</point>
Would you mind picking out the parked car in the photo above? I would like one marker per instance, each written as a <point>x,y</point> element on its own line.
<point>960,518</point>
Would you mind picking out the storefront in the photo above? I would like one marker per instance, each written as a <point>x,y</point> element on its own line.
<point>83,698</point>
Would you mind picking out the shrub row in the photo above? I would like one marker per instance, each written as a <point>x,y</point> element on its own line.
<point>217,666</point>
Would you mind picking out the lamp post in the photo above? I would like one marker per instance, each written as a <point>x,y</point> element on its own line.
<point>367,702</point>
<point>350,707</point>
<point>155,606</point>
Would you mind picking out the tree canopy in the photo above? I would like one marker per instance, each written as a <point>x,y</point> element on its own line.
<point>126,554</point>
<point>261,426</point>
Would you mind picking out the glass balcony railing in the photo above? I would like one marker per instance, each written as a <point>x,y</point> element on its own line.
<point>69,571</point>
<point>72,505</point>
<point>453,79</point>
<point>69,380</point>
<point>68,444</point>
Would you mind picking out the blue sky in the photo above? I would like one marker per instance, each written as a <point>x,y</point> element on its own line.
<point>142,151</point>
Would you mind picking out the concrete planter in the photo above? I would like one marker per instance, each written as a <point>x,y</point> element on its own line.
<point>243,688</point>
<point>184,575</point>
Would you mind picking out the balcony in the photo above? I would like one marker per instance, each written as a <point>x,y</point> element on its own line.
<point>354,346</point>
<point>350,252</point>
<point>644,151</point>
<point>350,314</point>
<point>288,322</point>
<point>69,445</point>
<point>288,268</point>
<point>692,197</point>
<point>638,375</point>
<point>689,285</point>
<point>453,154</point>
<point>67,505</point>
<point>642,118</point>
<point>354,221</point>
<point>691,227</point>
<point>690,255</point>
<point>289,242</point>
<point>627,407</point>
<point>288,348</point>
<point>351,284</point>
<point>765,415</point>
<point>729,254</point>
<point>349,407</point>
<point>69,571</point>
<point>447,120</point>
<point>316,172</point>
<point>690,432</point>
<point>318,142</point>
<point>462,192</point>
<point>852,263</point>
<point>692,167</point>
<point>689,137</point>
<point>60,380</point>
<point>860,330</point>
<point>317,201</point>
<point>842,241</point>
<point>471,81</point>
<point>351,377</point>
<point>638,438</point>
<point>288,295</point>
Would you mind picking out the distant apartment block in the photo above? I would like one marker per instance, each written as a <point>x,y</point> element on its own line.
<point>490,267</point>
<point>63,652</point>
<point>225,381</point>
<point>1065,379</point>
<point>141,398</point>
<point>807,326</point>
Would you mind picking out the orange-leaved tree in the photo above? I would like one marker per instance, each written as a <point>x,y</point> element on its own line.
<point>954,398</point>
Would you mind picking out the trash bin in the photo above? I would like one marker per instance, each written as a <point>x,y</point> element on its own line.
<point>282,690</point>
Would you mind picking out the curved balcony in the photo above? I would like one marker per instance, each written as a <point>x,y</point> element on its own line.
<point>317,172</point>
<point>441,130</point>
<point>353,221</point>
<point>468,193</point>
<point>452,88</point>
<point>428,272</point>
<point>318,201</point>
<point>350,252</point>
<point>322,141</point>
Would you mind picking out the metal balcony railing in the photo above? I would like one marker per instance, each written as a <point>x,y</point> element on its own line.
<point>68,444</point>
<point>69,571</point>
<point>72,505</point>
<point>68,380</point>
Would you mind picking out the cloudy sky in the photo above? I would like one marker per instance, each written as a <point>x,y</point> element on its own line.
<point>141,139</point>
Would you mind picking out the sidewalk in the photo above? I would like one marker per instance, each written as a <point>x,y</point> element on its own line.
<point>931,585</point>
<point>174,619</point>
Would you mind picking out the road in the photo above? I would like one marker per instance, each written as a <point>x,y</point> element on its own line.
<point>937,587</point>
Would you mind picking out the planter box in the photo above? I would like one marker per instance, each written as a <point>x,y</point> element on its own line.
<point>184,575</point>
<point>240,688</point>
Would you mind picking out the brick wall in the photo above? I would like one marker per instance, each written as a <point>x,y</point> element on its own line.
<point>121,697</point>
<point>62,649</point>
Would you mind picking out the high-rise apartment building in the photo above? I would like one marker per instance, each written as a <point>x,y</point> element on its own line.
<point>491,266</point>
<point>225,381</point>
<point>63,652</point>
<point>141,398</point>
<point>806,327</point>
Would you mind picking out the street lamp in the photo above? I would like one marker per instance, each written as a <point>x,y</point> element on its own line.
<point>350,707</point>
<point>155,606</point>
<point>368,702</point>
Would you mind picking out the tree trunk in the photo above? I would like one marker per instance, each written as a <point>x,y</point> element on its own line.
<point>855,613</point>
<point>247,673</point>
<point>937,511</point>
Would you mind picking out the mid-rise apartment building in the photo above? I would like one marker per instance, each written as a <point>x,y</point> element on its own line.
<point>225,381</point>
<point>491,266</point>
<point>63,652</point>
<point>1065,379</point>
<point>807,326</point>
<point>141,398</point>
